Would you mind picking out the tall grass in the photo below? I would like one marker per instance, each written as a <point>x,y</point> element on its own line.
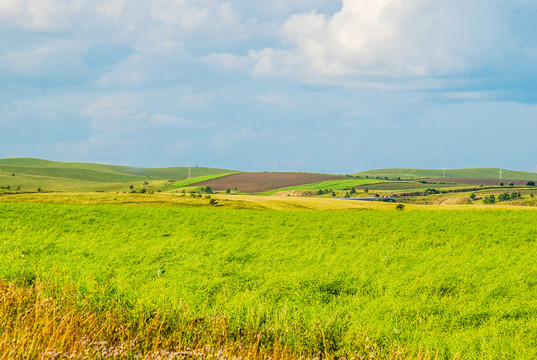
<point>331,283</point>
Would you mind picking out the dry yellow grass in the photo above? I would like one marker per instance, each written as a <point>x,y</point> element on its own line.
<point>35,325</point>
<point>245,201</point>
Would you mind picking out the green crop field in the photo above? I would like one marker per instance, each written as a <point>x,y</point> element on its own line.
<point>478,173</point>
<point>375,282</point>
<point>330,184</point>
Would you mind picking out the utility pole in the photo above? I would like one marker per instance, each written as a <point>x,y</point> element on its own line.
<point>189,171</point>
<point>444,173</point>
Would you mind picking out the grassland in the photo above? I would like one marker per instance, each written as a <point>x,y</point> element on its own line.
<point>155,274</point>
<point>478,173</point>
<point>30,174</point>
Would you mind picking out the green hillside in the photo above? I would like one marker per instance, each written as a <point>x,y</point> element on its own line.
<point>477,173</point>
<point>29,174</point>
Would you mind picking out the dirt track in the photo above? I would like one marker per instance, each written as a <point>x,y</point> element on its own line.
<point>259,182</point>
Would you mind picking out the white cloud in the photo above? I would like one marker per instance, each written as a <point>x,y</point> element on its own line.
<point>394,39</point>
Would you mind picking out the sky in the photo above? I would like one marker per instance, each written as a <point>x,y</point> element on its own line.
<point>292,85</point>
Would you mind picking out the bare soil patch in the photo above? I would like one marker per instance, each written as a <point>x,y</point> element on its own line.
<point>259,182</point>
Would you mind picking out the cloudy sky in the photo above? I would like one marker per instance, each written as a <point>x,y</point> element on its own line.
<point>303,85</point>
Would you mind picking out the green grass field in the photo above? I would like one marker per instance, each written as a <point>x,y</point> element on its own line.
<point>477,173</point>
<point>456,283</point>
<point>31,174</point>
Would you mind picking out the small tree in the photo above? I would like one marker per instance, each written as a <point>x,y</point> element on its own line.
<point>38,189</point>
<point>530,183</point>
<point>213,202</point>
<point>333,194</point>
<point>228,191</point>
<point>131,187</point>
<point>320,192</point>
<point>366,190</point>
<point>504,197</point>
<point>511,183</point>
<point>399,207</point>
<point>13,174</point>
<point>472,196</point>
<point>501,184</point>
<point>353,191</point>
<point>347,195</point>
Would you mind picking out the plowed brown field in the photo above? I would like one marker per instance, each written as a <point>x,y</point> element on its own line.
<point>259,182</point>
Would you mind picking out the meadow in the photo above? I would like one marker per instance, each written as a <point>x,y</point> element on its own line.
<point>173,275</point>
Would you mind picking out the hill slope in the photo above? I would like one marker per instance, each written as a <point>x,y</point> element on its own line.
<point>476,173</point>
<point>30,173</point>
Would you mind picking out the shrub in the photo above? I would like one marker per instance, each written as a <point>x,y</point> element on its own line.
<point>511,183</point>
<point>490,199</point>
<point>131,187</point>
<point>366,190</point>
<point>320,192</point>
<point>228,191</point>
<point>501,184</point>
<point>213,202</point>
<point>504,197</point>
<point>399,207</point>
<point>472,196</point>
<point>530,183</point>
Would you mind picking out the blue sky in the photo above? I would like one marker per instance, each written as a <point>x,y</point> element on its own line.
<point>325,86</point>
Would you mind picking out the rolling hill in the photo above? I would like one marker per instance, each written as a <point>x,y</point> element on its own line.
<point>30,173</point>
<point>473,173</point>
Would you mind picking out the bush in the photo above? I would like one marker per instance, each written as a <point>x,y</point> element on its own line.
<point>504,197</point>
<point>501,184</point>
<point>530,183</point>
<point>511,183</point>
<point>228,191</point>
<point>472,196</point>
<point>399,207</point>
<point>490,199</point>
<point>320,192</point>
<point>213,202</point>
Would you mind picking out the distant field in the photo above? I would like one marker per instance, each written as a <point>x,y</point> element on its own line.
<point>137,274</point>
<point>31,174</point>
<point>340,184</point>
<point>261,182</point>
<point>480,173</point>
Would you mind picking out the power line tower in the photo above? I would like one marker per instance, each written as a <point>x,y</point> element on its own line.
<point>501,174</point>
<point>189,171</point>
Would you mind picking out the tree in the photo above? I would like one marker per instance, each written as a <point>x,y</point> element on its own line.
<point>511,183</point>
<point>501,184</point>
<point>530,183</point>
<point>13,174</point>
<point>504,197</point>
<point>131,187</point>
<point>333,194</point>
<point>347,195</point>
<point>399,207</point>
<point>472,196</point>
<point>320,192</point>
<point>366,190</point>
<point>213,202</point>
<point>38,189</point>
<point>228,191</point>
